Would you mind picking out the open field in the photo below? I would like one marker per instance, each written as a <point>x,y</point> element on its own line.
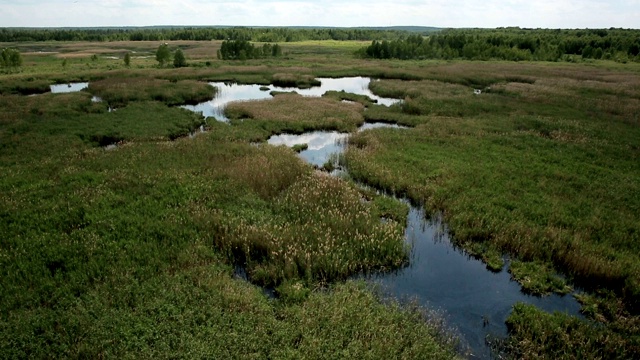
<point>128,251</point>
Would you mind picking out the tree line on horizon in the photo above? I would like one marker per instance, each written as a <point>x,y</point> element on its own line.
<point>269,35</point>
<point>513,44</point>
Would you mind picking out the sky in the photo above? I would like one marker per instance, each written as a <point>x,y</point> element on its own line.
<point>342,13</point>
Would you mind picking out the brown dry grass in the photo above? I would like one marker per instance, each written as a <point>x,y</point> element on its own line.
<point>299,112</point>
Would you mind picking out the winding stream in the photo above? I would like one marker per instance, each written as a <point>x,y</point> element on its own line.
<point>440,276</point>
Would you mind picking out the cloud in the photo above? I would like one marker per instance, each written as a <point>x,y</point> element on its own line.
<point>453,13</point>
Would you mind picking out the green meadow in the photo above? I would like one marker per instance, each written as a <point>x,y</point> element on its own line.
<point>132,251</point>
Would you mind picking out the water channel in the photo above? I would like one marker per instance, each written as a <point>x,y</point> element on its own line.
<point>473,300</point>
<point>440,276</point>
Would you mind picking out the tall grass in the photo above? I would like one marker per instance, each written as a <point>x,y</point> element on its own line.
<point>120,91</point>
<point>297,114</point>
<point>541,170</point>
<point>320,231</point>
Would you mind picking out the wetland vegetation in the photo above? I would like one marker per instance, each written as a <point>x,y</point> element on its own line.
<point>130,251</point>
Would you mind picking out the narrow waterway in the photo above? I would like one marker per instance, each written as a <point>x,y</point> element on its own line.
<point>474,301</point>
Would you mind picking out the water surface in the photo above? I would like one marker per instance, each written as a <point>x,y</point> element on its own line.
<point>473,299</point>
<point>228,92</point>
<point>321,144</point>
<point>70,87</point>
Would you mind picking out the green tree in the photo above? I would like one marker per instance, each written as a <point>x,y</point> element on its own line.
<point>163,55</point>
<point>127,59</point>
<point>178,59</point>
<point>10,58</point>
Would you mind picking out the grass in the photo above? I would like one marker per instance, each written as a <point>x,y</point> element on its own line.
<point>119,92</point>
<point>294,113</point>
<point>117,253</point>
<point>545,171</point>
<point>539,335</point>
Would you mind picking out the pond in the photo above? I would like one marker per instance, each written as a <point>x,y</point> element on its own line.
<point>473,300</point>
<point>228,92</point>
<point>70,87</point>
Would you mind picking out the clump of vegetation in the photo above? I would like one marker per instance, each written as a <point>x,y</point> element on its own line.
<point>296,114</point>
<point>535,334</point>
<point>538,278</point>
<point>163,54</point>
<point>25,86</point>
<point>300,147</point>
<point>10,59</point>
<point>345,96</point>
<point>322,232</point>
<point>244,50</point>
<point>179,60</point>
<point>118,91</point>
<point>300,81</point>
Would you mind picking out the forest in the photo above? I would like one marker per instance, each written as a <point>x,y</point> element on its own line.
<point>197,33</point>
<point>512,44</point>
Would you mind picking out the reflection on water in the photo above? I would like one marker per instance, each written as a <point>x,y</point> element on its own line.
<point>70,87</point>
<point>474,300</point>
<point>321,144</point>
<point>237,92</point>
<point>378,125</point>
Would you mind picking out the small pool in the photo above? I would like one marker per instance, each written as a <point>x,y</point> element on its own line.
<point>68,88</point>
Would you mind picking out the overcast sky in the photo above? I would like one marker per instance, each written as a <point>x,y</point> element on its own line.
<point>345,13</point>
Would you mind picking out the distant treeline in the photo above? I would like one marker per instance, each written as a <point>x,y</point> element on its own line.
<point>271,35</point>
<point>512,44</point>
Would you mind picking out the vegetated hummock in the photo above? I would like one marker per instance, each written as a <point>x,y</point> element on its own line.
<point>132,250</point>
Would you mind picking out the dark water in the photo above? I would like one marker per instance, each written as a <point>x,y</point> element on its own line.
<point>70,87</point>
<point>236,92</point>
<point>473,300</point>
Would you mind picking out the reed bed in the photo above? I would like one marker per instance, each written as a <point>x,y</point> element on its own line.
<point>119,92</point>
<point>298,114</point>
<point>323,232</point>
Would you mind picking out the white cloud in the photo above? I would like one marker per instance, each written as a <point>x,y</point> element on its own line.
<point>453,13</point>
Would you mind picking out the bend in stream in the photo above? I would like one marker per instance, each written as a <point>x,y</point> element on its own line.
<point>441,276</point>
